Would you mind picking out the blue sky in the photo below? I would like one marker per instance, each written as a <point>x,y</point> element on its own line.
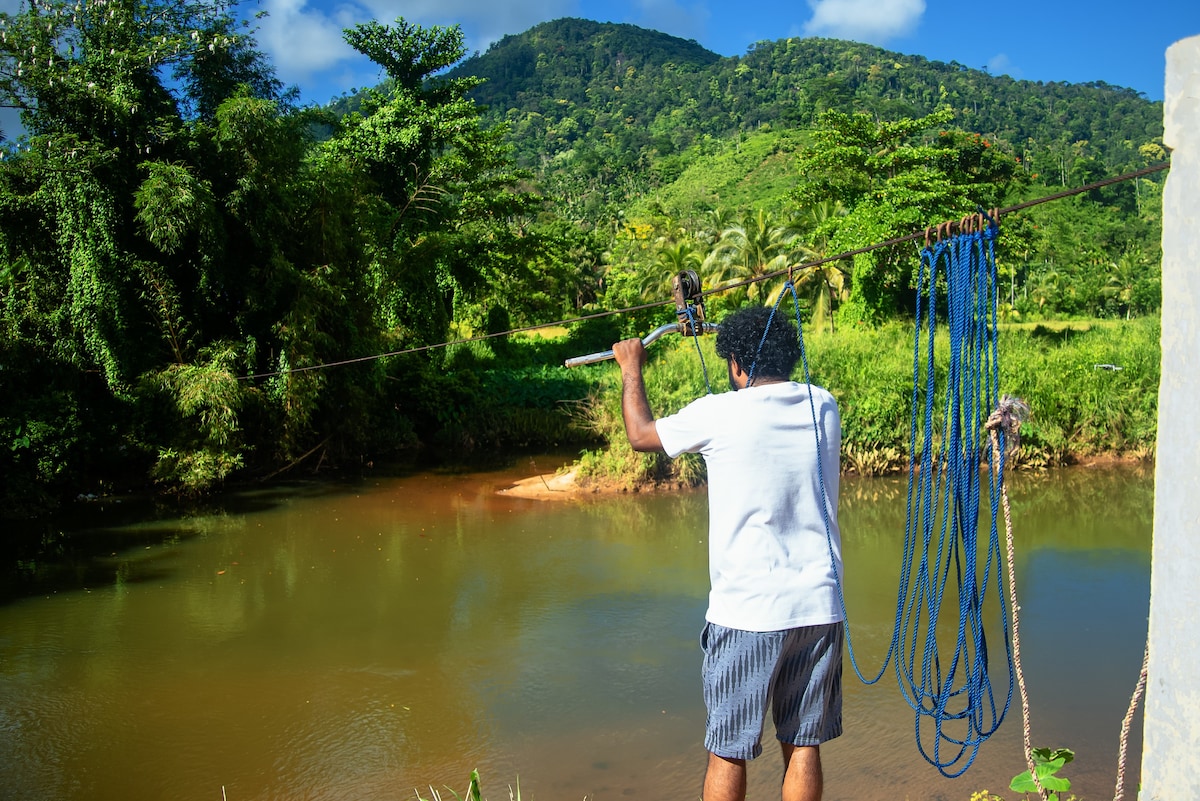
<point>1118,42</point>
<point>1115,41</point>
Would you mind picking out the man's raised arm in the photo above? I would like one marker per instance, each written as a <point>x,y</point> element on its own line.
<point>635,408</point>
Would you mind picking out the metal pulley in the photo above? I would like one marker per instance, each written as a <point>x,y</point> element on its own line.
<point>689,301</point>
<point>689,317</point>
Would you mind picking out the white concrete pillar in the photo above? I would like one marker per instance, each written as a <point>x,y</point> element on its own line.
<point>1171,749</point>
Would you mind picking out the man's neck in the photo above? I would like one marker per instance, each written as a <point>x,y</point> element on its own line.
<point>763,381</point>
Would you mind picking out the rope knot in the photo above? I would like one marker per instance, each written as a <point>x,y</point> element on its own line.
<point>1007,418</point>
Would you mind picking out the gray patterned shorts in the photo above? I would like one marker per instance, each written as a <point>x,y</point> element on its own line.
<point>798,670</point>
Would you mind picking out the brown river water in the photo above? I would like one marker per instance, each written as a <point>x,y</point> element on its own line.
<point>368,640</point>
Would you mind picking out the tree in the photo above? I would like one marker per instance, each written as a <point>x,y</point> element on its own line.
<point>671,259</point>
<point>101,210</point>
<point>1132,285</point>
<point>1044,287</point>
<point>153,251</point>
<point>895,179</point>
<point>826,284</point>
<point>440,187</point>
<point>746,252</point>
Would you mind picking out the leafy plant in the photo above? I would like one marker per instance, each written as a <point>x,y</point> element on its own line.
<point>1047,762</point>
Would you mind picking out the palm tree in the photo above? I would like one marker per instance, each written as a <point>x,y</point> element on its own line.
<point>826,284</point>
<point>672,258</point>
<point>1122,279</point>
<point>746,252</point>
<point>1045,287</point>
<point>712,224</point>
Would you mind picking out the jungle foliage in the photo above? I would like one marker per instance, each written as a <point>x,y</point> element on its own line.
<point>181,244</point>
<point>160,241</point>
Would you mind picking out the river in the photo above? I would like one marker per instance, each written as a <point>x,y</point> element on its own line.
<point>366,640</point>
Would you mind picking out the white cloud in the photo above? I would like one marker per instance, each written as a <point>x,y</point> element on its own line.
<point>302,40</point>
<point>874,21</point>
<point>1000,64</point>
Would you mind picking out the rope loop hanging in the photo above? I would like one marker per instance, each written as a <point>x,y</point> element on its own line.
<point>789,288</point>
<point>950,691</point>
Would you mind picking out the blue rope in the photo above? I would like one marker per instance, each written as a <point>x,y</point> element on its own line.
<point>790,288</point>
<point>943,497</point>
<point>695,326</point>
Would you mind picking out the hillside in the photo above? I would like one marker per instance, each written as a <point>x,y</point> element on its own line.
<point>598,99</point>
<point>566,59</point>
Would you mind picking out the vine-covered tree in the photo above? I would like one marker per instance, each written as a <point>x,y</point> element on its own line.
<point>155,251</point>
<point>99,207</point>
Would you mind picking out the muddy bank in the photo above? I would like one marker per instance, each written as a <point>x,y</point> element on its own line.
<point>559,486</point>
<point>566,484</point>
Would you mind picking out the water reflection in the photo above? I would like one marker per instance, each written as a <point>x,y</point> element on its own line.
<point>362,641</point>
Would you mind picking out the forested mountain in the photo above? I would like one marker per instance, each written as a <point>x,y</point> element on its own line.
<point>603,97</point>
<point>568,58</point>
<point>822,145</point>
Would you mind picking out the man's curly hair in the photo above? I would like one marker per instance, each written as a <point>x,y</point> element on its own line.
<point>742,331</point>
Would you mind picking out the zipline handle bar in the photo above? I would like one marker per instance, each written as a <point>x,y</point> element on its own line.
<point>709,328</point>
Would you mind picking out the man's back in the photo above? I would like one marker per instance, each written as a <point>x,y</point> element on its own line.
<point>769,553</point>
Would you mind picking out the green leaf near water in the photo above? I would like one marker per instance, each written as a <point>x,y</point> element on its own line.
<point>1048,755</point>
<point>1047,762</point>
<point>1024,784</point>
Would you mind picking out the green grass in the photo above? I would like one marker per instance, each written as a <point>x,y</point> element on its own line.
<point>1061,325</point>
<point>1079,408</point>
<point>755,171</point>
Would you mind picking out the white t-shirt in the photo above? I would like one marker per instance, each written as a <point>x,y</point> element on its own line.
<point>769,556</point>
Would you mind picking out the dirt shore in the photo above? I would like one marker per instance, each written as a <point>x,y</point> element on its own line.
<point>546,487</point>
<point>563,486</point>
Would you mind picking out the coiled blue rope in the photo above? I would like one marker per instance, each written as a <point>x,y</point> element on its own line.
<point>952,693</point>
<point>944,496</point>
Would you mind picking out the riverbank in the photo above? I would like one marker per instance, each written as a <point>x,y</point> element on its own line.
<point>566,484</point>
<point>1092,389</point>
<point>545,487</point>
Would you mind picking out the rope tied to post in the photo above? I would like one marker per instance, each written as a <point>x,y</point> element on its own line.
<point>1007,418</point>
<point>1005,423</point>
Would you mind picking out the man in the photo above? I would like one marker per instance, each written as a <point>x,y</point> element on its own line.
<point>774,621</point>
